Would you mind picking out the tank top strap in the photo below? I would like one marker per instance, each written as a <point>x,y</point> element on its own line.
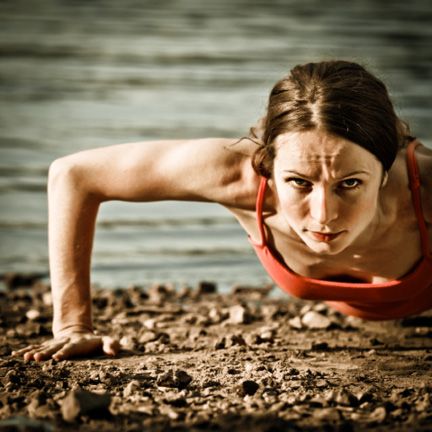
<point>259,209</point>
<point>415,183</point>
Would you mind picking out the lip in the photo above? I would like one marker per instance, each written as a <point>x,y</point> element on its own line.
<point>325,237</point>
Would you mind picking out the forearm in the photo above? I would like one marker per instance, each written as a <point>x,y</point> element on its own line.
<point>72,214</point>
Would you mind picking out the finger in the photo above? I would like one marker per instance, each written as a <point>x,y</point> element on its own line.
<point>110,345</point>
<point>47,352</point>
<point>23,350</point>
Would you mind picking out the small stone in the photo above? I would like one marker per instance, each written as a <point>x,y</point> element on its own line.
<point>320,346</point>
<point>320,307</point>
<point>17,280</point>
<point>251,292</point>
<point>366,395</point>
<point>375,342</point>
<point>216,315</point>
<point>206,288</point>
<point>235,340</point>
<point>211,383</point>
<point>150,323</point>
<point>196,333</point>
<point>128,343</point>
<point>175,400</point>
<point>33,314</point>
<point>314,320</point>
<point>131,387</point>
<point>176,379</point>
<point>249,387</point>
<point>47,299</point>
<point>220,343</point>
<point>295,323</point>
<point>82,402</point>
<point>341,397</point>
<point>267,333</point>
<point>158,293</point>
<point>321,383</point>
<point>344,397</point>
<point>423,404</point>
<point>148,336</point>
<point>238,315</point>
<point>331,415</point>
<point>378,415</point>
<point>305,309</point>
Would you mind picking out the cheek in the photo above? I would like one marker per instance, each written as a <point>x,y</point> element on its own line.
<point>362,208</point>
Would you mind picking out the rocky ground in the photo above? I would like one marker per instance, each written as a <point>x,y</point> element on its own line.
<point>194,359</point>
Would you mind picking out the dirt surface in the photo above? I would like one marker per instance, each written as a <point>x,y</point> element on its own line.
<point>194,359</point>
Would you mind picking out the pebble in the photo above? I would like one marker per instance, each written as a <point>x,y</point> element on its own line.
<point>82,402</point>
<point>378,415</point>
<point>16,280</point>
<point>296,323</point>
<point>175,400</point>
<point>320,346</point>
<point>220,343</point>
<point>423,404</point>
<point>37,410</point>
<point>267,333</point>
<point>174,378</point>
<point>327,414</point>
<point>128,343</point>
<point>47,299</point>
<point>341,397</point>
<point>206,288</point>
<point>216,315</point>
<point>315,320</point>
<point>33,314</point>
<point>249,387</point>
<point>238,315</point>
<point>235,339</point>
<point>148,336</point>
<point>251,292</point>
<point>149,323</point>
<point>196,333</point>
<point>366,395</point>
<point>131,387</point>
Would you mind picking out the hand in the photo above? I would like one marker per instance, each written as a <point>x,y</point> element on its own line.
<point>71,345</point>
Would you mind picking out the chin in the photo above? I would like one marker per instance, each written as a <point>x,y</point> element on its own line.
<point>324,248</point>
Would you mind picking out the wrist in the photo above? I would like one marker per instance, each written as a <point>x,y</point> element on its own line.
<point>64,330</point>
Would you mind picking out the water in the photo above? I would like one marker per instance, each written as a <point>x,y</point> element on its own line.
<point>77,75</point>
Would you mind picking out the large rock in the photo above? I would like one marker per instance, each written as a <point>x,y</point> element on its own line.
<point>82,402</point>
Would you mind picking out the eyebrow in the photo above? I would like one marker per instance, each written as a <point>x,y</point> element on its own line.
<point>346,175</point>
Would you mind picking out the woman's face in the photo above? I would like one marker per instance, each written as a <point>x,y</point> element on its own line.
<point>327,188</point>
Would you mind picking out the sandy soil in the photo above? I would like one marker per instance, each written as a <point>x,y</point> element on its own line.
<point>194,359</point>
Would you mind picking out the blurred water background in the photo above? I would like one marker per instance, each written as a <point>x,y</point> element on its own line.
<point>82,74</point>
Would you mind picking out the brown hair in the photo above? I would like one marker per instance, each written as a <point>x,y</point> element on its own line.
<point>339,97</point>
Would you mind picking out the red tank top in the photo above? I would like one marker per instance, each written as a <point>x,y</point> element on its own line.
<point>405,296</point>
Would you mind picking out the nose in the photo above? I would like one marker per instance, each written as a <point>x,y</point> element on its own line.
<point>323,206</point>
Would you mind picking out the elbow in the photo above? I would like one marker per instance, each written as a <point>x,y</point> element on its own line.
<point>59,170</point>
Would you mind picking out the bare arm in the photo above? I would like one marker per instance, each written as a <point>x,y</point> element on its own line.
<point>201,170</point>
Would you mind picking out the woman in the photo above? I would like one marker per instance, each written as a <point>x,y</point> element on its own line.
<point>326,187</point>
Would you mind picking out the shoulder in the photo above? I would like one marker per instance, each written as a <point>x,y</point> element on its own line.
<point>217,170</point>
<point>423,156</point>
<point>424,161</point>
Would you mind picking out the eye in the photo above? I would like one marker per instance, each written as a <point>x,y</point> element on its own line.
<point>298,182</point>
<point>351,183</point>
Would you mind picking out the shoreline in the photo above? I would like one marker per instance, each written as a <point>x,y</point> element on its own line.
<point>195,359</point>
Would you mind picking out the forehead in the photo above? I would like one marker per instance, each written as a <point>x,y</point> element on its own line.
<point>318,148</point>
